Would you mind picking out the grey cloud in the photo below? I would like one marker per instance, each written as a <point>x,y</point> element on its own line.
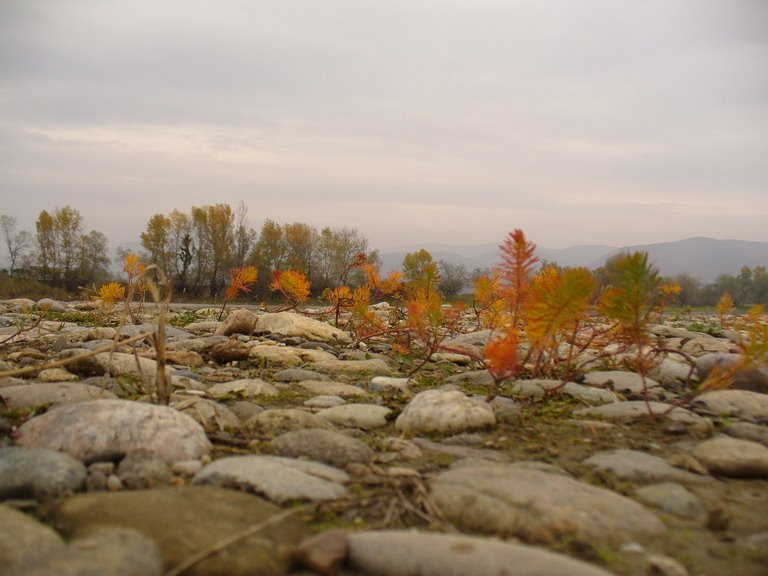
<point>435,106</point>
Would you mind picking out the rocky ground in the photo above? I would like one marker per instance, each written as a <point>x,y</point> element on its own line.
<point>288,450</point>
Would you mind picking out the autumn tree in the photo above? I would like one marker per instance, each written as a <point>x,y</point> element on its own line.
<point>268,254</point>
<point>47,247</point>
<point>335,250</point>
<point>58,244</point>
<point>299,240</point>
<point>93,259</point>
<point>68,224</point>
<point>156,241</point>
<point>420,271</point>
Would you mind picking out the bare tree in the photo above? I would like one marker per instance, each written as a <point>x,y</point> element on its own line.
<point>17,243</point>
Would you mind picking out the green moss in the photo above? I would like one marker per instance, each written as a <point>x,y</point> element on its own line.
<point>182,318</point>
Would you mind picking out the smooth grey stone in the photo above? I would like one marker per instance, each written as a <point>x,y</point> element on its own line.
<point>91,430</point>
<point>184,521</point>
<point>199,345</point>
<point>471,378</point>
<point>365,416</point>
<point>412,553</point>
<point>634,409</point>
<point>671,497</point>
<point>212,415</point>
<point>588,394</point>
<point>330,388</point>
<point>735,403</point>
<point>733,457</point>
<point>639,467</point>
<point>24,539</point>
<point>115,363</point>
<point>38,473</point>
<point>37,394</point>
<point>245,410</point>
<point>324,401</point>
<point>373,366</point>
<point>51,304</point>
<point>672,374</point>
<point>244,388</point>
<point>461,451</point>
<point>444,412</point>
<point>279,479</point>
<point>537,506</point>
<point>238,322</point>
<point>297,375</point>
<point>748,431</point>
<point>292,324</point>
<point>619,381</point>
<point>505,409</point>
<point>281,420</point>
<point>171,332</point>
<point>113,551</point>
<point>229,351</point>
<point>323,446</point>
<point>319,346</point>
<point>139,470</point>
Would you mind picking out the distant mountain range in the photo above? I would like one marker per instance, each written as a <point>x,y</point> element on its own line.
<point>702,258</point>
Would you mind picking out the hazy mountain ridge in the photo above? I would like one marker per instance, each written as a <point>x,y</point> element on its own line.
<point>702,258</point>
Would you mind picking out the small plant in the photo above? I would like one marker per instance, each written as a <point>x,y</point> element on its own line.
<point>110,294</point>
<point>488,301</point>
<point>709,328</point>
<point>240,280</point>
<point>294,287</point>
<point>635,296</point>
<point>724,307</point>
<point>431,321</point>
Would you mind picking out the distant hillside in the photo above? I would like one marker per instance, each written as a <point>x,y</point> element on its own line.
<point>703,258</point>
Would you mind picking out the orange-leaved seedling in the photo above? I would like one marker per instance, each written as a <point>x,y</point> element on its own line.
<point>724,307</point>
<point>110,294</point>
<point>390,287</point>
<point>488,302</point>
<point>558,302</point>
<point>518,266</point>
<point>240,280</point>
<point>340,297</point>
<point>136,270</point>
<point>502,358</point>
<point>669,293</point>
<point>293,285</point>
<point>431,321</point>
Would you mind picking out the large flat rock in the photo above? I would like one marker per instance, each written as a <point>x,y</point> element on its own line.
<point>539,507</point>
<point>444,412</point>
<point>410,553</point>
<point>736,403</point>
<point>184,521</point>
<point>37,394</point>
<point>292,324</point>
<point>38,473</point>
<point>24,539</point>
<point>279,479</point>
<point>104,429</point>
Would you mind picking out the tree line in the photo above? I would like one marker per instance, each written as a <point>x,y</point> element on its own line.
<point>197,250</point>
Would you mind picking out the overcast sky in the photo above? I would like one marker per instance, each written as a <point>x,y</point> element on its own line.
<point>416,121</point>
